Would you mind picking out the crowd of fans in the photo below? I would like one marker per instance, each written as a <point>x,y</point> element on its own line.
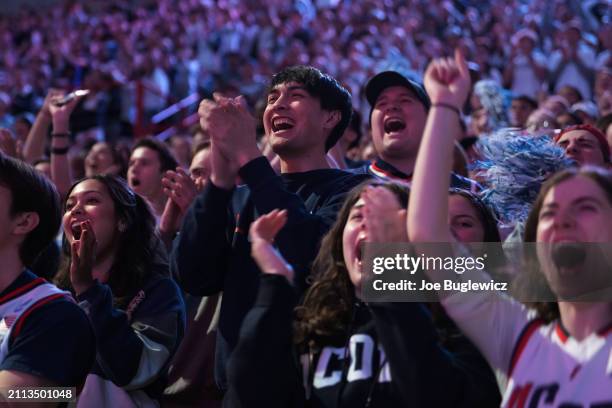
<point>174,50</point>
<point>221,263</point>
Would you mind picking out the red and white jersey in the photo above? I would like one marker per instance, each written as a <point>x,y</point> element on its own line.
<point>550,369</point>
<point>545,366</point>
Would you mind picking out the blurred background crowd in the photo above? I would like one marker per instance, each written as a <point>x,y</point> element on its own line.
<point>141,58</point>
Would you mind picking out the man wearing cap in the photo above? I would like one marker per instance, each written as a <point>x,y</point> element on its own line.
<point>526,70</point>
<point>585,144</point>
<point>397,119</point>
<point>586,111</point>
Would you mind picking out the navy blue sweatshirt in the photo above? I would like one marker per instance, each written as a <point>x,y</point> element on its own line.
<point>134,346</point>
<point>391,357</point>
<point>212,252</point>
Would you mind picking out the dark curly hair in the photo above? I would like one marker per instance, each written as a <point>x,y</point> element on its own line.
<point>326,311</point>
<point>139,249</point>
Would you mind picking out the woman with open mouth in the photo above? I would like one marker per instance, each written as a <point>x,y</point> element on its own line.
<point>558,355</point>
<point>116,266</point>
<point>334,350</point>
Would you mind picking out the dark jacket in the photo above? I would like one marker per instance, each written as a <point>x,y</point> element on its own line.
<point>395,359</point>
<point>212,252</point>
<point>134,346</point>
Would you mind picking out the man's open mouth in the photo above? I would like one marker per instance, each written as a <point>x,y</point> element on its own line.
<point>394,125</point>
<point>280,124</point>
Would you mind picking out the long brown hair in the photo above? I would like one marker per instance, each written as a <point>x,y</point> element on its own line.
<point>140,253</point>
<point>325,313</point>
<point>549,311</point>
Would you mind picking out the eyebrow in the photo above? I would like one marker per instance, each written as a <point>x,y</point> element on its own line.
<point>465,216</point>
<point>85,193</point>
<point>289,88</point>
<point>583,199</point>
<point>578,200</point>
<point>582,138</point>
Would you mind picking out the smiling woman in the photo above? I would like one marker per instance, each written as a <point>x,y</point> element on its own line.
<point>116,266</point>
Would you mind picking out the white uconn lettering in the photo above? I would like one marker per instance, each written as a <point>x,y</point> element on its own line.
<point>323,376</point>
<point>361,347</point>
<point>361,356</point>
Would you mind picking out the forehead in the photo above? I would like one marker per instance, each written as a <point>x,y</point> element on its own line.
<point>519,103</point>
<point>144,152</point>
<point>577,134</point>
<point>287,86</point>
<point>358,204</point>
<point>200,159</point>
<point>396,90</point>
<point>576,187</point>
<point>88,186</point>
<point>100,147</point>
<point>460,205</point>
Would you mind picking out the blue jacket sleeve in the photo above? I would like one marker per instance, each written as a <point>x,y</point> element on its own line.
<point>265,354</point>
<point>131,352</point>
<point>199,259</point>
<point>421,366</point>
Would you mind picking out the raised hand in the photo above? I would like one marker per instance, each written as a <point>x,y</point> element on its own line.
<point>180,188</point>
<point>448,80</point>
<point>83,254</point>
<point>51,95</point>
<point>262,234</point>
<point>385,219</point>
<point>230,124</point>
<point>60,115</point>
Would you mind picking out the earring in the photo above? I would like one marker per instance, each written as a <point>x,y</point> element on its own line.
<point>122,227</point>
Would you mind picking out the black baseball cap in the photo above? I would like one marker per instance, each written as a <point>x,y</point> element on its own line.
<point>379,82</point>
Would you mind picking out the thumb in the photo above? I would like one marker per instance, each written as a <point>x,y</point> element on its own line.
<point>220,99</point>
<point>461,63</point>
<point>241,101</point>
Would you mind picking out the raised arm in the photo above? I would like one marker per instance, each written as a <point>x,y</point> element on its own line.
<point>201,252</point>
<point>61,173</point>
<point>492,321</point>
<point>34,147</point>
<point>447,82</point>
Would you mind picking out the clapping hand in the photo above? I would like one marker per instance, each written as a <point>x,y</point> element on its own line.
<point>385,219</point>
<point>262,234</point>
<point>83,254</point>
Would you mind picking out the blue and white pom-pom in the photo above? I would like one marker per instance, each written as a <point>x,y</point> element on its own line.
<point>495,101</point>
<point>513,166</point>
